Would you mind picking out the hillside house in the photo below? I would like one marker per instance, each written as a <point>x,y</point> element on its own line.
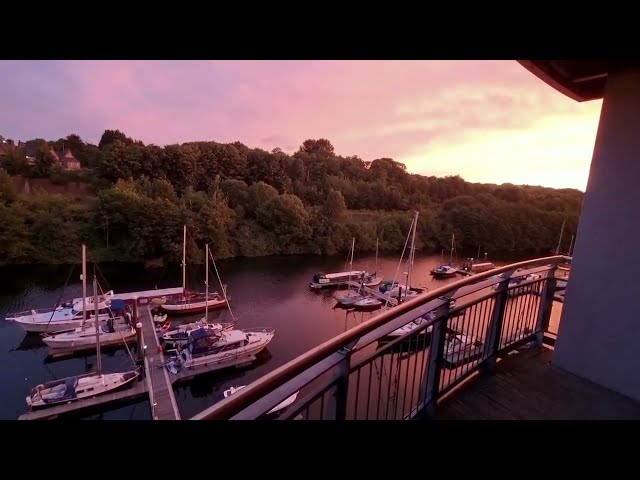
<point>63,158</point>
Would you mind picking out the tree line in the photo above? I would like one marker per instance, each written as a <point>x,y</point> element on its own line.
<point>251,202</point>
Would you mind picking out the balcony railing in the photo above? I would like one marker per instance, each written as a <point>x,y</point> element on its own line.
<point>398,364</point>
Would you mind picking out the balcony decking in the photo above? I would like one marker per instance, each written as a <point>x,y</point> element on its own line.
<point>526,386</point>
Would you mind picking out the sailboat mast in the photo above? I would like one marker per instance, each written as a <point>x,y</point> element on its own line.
<point>184,260</point>
<point>570,246</point>
<point>95,313</point>
<point>84,284</point>
<point>206,282</point>
<point>453,235</point>
<point>376,255</point>
<point>412,252</point>
<point>560,239</point>
<point>353,245</point>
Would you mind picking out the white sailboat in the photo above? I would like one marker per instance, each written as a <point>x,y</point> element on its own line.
<point>63,318</point>
<point>77,388</point>
<point>113,330</point>
<point>374,279</point>
<point>192,302</point>
<point>350,296</point>
<point>446,270</point>
<point>368,302</point>
<point>81,386</point>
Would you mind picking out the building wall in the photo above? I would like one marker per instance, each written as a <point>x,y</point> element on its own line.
<point>599,334</point>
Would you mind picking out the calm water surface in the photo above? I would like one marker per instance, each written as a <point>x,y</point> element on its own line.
<point>268,291</point>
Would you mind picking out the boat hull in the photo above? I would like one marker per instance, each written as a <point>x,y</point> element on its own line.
<point>443,274</point>
<point>54,326</point>
<point>67,340</point>
<point>195,307</point>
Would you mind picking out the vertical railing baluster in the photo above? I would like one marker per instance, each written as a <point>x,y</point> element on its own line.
<point>495,326</point>
<point>546,304</point>
<point>430,383</point>
<point>341,370</point>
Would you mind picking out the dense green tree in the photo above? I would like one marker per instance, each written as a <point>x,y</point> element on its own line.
<point>252,202</point>
<point>44,162</point>
<point>7,195</point>
<point>15,163</point>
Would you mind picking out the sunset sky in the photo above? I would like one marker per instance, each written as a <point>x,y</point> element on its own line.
<point>488,121</point>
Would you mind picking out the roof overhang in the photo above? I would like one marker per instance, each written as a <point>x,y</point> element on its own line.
<point>581,80</point>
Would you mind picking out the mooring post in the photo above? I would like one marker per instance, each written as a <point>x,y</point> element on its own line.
<point>139,340</point>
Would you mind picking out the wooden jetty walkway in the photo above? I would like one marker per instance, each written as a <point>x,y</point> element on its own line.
<point>161,397</point>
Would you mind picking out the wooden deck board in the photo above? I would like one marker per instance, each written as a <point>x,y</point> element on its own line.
<point>526,386</point>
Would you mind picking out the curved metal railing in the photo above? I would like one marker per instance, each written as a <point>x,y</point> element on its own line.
<point>400,362</point>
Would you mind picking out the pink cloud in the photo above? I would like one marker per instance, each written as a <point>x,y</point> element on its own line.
<point>408,110</point>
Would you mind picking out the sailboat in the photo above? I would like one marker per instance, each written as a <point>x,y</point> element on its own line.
<point>446,270</point>
<point>65,317</point>
<point>350,296</point>
<point>180,335</point>
<point>192,302</point>
<point>395,289</point>
<point>373,280</point>
<point>113,331</point>
<point>81,386</point>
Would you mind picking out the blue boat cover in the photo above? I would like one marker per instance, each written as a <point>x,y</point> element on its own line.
<point>117,304</point>
<point>198,333</point>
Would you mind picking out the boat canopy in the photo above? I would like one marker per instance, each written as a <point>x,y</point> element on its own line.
<point>117,304</point>
<point>202,339</point>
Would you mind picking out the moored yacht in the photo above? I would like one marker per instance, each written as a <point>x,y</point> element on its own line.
<point>210,346</point>
<point>193,302</point>
<point>321,280</point>
<point>63,318</point>
<point>444,271</point>
<point>78,387</point>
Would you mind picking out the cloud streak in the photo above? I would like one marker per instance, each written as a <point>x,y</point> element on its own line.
<point>485,120</point>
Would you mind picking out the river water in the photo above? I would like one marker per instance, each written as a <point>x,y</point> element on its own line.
<point>267,291</point>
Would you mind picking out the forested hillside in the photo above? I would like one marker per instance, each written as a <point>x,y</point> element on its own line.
<point>250,202</point>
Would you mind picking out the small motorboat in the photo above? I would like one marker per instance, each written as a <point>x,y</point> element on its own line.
<point>159,318</point>
<point>161,328</point>
<point>281,406</point>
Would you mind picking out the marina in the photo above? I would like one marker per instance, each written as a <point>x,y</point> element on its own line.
<point>176,396</point>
